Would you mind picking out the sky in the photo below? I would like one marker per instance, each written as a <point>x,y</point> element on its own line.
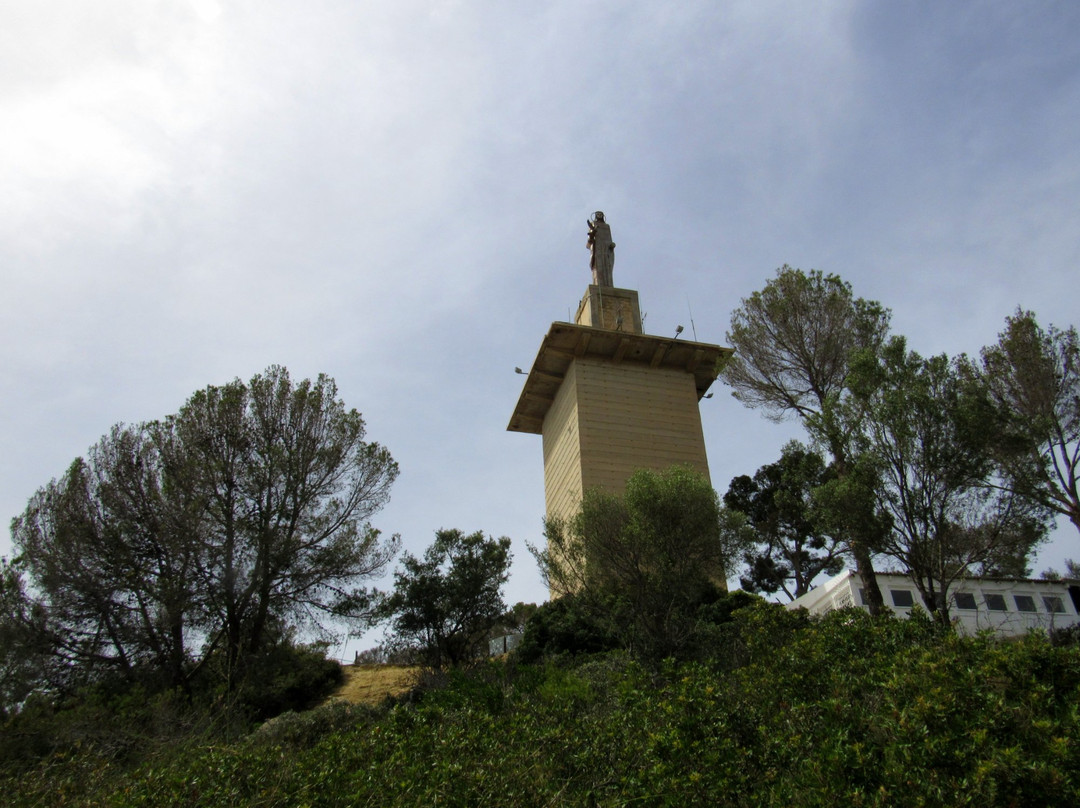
<point>395,194</point>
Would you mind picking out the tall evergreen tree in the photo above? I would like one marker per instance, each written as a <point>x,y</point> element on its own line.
<point>790,546</point>
<point>1033,376</point>
<point>928,435</point>
<point>203,533</point>
<point>793,343</point>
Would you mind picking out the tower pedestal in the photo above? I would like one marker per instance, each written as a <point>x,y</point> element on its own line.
<point>611,308</point>
<point>609,400</point>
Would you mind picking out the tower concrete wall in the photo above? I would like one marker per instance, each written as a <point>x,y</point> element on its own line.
<point>610,419</point>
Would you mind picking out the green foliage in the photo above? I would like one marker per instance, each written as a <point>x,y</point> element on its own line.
<point>1033,376</point>
<point>176,544</point>
<point>927,433</point>
<point>288,484</point>
<point>24,647</point>
<point>118,721</point>
<point>515,618</point>
<point>791,546</point>
<point>642,562</point>
<point>445,603</point>
<point>566,626</point>
<point>286,678</point>
<point>845,710</point>
<point>575,626</point>
<point>794,341</point>
<point>111,721</point>
<point>109,552</point>
<point>296,731</point>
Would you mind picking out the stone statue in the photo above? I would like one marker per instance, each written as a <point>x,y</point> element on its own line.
<point>602,248</point>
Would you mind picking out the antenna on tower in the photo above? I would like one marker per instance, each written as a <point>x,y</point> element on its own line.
<point>692,328</point>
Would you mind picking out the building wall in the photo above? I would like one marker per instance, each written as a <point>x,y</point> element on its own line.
<point>562,451</point>
<point>634,416</point>
<point>608,420</point>
<point>1006,606</point>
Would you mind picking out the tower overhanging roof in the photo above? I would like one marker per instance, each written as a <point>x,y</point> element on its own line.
<point>566,342</point>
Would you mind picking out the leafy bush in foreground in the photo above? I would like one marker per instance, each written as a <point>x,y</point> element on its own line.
<point>119,724</point>
<point>847,710</point>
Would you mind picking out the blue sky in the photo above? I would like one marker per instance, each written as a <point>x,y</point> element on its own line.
<point>395,193</point>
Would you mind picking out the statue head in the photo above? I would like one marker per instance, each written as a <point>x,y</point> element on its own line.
<point>599,216</point>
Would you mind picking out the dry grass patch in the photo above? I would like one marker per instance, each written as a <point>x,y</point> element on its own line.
<point>372,684</point>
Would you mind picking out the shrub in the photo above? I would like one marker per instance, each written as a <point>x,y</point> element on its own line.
<point>565,626</point>
<point>287,677</point>
<point>842,710</point>
<point>302,730</point>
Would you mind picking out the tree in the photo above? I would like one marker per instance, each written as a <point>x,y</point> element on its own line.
<point>649,556</point>
<point>513,620</point>
<point>1072,572</point>
<point>288,484</point>
<point>928,435</point>
<point>111,551</point>
<point>24,646</point>
<point>789,544</point>
<point>202,534</point>
<point>1033,376</point>
<point>445,603</point>
<point>793,344</point>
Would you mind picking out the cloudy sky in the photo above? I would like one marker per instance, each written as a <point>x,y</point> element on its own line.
<point>395,193</point>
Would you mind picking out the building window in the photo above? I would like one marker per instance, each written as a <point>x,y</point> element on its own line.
<point>862,598</point>
<point>1025,603</point>
<point>902,598</point>
<point>965,600</point>
<point>1054,604</point>
<point>996,603</point>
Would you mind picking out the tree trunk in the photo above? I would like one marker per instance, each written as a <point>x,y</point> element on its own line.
<point>860,550</point>
<point>865,568</point>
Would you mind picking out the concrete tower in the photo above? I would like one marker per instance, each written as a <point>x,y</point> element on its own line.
<point>609,399</point>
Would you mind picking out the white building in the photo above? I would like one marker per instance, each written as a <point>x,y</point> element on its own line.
<point>1008,605</point>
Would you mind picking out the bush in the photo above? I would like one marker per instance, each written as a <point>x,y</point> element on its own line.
<point>287,677</point>
<point>303,730</point>
<point>565,626</point>
<point>120,721</point>
<point>843,710</point>
<point>576,625</point>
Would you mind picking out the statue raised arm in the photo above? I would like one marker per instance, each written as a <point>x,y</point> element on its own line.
<point>602,250</point>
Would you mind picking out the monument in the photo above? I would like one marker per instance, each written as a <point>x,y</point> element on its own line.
<point>601,250</point>
<point>609,399</point>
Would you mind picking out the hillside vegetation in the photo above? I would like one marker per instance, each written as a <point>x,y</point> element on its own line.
<point>848,710</point>
<point>374,684</point>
